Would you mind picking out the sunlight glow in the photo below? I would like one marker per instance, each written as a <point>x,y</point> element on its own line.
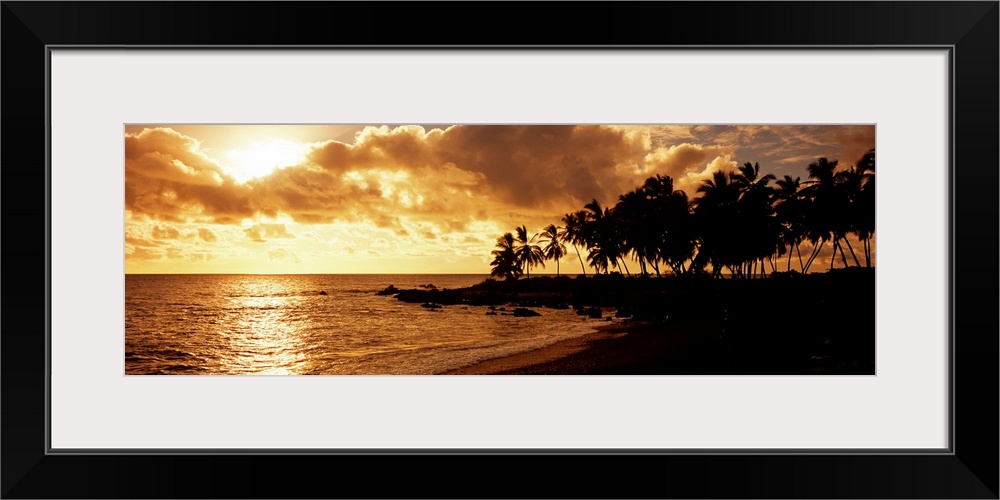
<point>261,158</point>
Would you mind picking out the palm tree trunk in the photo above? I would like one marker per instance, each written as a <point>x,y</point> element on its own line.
<point>584,269</point>
<point>557,266</point>
<point>812,257</point>
<point>864,244</point>
<point>799,253</point>
<point>789,267</point>
<point>855,257</point>
<point>843,255</point>
<point>626,265</point>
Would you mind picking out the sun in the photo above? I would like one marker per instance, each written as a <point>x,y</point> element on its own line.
<point>261,158</point>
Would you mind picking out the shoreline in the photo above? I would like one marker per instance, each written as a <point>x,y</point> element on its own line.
<point>783,325</point>
<point>679,348</point>
<point>632,347</point>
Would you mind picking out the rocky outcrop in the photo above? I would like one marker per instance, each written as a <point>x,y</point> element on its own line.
<point>522,312</point>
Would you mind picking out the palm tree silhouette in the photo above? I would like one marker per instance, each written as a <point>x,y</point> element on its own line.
<point>528,253</point>
<point>716,210</point>
<point>824,204</point>
<point>849,183</point>
<point>738,223</point>
<point>759,232</point>
<point>554,249</point>
<point>864,219</point>
<point>603,240</point>
<point>857,193</point>
<point>671,217</point>
<point>505,262</point>
<point>789,210</point>
<point>637,226</point>
<point>573,233</point>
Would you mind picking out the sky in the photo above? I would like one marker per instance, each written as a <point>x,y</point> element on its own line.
<point>426,199</point>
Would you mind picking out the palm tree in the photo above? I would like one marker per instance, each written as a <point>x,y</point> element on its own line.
<point>554,249</point>
<point>505,262</point>
<point>822,193</point>
<point>849,183</point>
<point>759,232</point>
<point>594,234</point>
<point>573,233</point>
<point>716,211</point>
<point>865,221</point>
<point>670,218</point>
<point>857,186</point>
<point>528,253</point>
<point>602,238</point>
<point>789,210</point>
<point>637,226</point>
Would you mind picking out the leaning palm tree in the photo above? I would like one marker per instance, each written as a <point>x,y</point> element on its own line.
<point>528,253</point>
<point>554,249</point>
<point>505,262</point>
<point>849,185</point>
<point>594,234</point>
<point>573,233</point>
<point>824,204</point>
<point>864,224</point>
<point>788,207</point>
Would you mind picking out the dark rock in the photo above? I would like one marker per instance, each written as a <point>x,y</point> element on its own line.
<point>446,297</point>
<point>322,292</point>
<point>431,305</point>
<point>389,290</point>
<point>491,313</point>
<point>522,312</point>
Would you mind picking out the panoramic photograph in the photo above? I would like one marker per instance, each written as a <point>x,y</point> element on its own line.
<point>471,249</point>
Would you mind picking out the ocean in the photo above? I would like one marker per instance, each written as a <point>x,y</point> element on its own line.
<point>185,324</point>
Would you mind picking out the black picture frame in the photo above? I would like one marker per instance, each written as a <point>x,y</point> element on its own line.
<point>969,28</point>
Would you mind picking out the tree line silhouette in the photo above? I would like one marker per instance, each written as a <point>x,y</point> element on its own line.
<point>738,223</point>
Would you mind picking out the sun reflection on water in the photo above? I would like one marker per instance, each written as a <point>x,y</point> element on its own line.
<point>261,339</point>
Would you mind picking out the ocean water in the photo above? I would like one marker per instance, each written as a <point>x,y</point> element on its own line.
<point>281,324</point>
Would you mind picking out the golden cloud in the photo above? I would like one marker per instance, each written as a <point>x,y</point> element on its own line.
<point>453,177</point>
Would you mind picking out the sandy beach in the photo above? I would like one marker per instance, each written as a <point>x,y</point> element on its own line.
<point>617,348</point>
<point>684,348</point>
